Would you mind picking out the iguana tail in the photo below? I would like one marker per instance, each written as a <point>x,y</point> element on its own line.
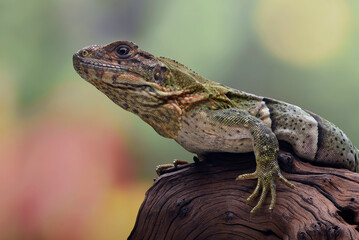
<point>356,169</point>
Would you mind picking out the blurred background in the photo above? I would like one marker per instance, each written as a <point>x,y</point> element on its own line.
<point>73,165</point>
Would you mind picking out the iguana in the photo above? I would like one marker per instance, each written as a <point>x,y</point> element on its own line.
<point>205,116</point>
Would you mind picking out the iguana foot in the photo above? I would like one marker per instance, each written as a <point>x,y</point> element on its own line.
<point>178,162</point>
<point>266,183</point>
<point>163,167</point>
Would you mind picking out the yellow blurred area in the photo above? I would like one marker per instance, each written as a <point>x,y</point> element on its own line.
<point>114,219</point>
<point>303,32</point>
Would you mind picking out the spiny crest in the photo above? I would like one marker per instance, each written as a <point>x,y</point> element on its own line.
<point>179,64</point>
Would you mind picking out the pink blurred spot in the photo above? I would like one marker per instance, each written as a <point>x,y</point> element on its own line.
<point>56,175</point>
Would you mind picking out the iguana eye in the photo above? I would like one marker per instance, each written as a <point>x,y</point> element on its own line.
<point>84,53</point>
<point>123,51</point>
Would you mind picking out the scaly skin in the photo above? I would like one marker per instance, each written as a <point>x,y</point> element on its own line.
<point>205,116</point>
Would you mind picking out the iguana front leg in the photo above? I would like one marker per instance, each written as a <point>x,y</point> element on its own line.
<point>265,147</point>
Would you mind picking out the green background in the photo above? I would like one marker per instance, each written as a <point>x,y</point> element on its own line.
<point>302,52</point>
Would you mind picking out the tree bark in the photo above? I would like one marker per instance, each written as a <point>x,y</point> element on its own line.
<point>202,201</point>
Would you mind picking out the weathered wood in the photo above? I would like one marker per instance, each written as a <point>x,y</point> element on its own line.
<point>202,201</point>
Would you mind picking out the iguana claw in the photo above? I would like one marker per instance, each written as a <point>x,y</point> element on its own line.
<point>266,183</point>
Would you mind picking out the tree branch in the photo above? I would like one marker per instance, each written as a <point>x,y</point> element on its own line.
<point>202,201</point>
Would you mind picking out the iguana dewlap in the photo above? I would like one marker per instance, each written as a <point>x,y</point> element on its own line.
<point>205,116</point>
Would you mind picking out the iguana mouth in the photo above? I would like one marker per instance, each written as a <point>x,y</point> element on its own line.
<point>83,67</point>
<point>96,65</point>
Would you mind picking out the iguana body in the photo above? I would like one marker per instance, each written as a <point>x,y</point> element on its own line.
<point>205,116</point>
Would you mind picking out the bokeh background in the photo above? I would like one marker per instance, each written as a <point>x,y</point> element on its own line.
<point>73,165</point>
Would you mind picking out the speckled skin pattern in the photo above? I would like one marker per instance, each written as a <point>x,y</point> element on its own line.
<point>205,116</point>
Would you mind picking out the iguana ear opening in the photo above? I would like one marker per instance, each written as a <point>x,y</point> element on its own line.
<point>159,74</point>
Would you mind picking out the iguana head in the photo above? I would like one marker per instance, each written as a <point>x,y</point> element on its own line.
<point>121,70</point>
<point>148,86</point>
